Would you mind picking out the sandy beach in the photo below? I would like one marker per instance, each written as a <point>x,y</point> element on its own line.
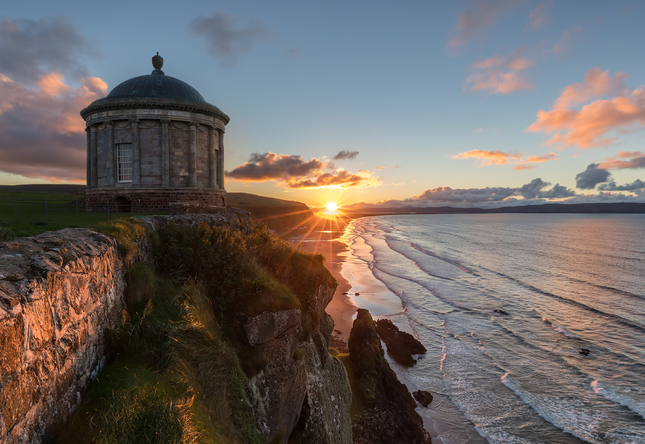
<point>326,242</point>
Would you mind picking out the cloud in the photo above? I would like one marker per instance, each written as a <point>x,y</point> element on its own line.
<point>465,195</point>
<point>379,168</point>
<point>624,160</point>
<point>226,38</point>
<point>395,166</point>
<point>346,155</point>
<point>596,83</point>
<point>637,185</point>
<point>533,160</point>
<point>592,176</point>
<point>535,190</point>
<point>292,171</point>
<point>41,133</point>
<point>587,127</point>
<point>500,74</point>
<point>31,48</point>
<point>489,157</point>
<point>471,23</point>
<point>540,15</point>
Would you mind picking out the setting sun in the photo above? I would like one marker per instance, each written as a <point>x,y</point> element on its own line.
<point>331,207</point>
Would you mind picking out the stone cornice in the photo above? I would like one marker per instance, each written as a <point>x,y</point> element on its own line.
<point>107,104</point>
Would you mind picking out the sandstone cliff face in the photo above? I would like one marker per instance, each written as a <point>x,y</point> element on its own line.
<point>302,387</point>
<point>59,293</point>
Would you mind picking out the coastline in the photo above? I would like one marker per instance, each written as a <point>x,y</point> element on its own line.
<point>327,243</point>
<point>358,288</point>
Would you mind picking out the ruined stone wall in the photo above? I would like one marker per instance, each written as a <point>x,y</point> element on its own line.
<point>60,292</point>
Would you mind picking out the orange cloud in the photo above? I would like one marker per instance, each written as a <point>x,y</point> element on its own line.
<point>292,171</point>
<point>379,168</point>
<point>42,134</point>
<point>500,75</point>
<point>500,158</point>
<point>597,83</point>
<point>624,160</point>
<point>542,158</point>
<point>524,166</point>
<point>587,126</point>
<point>489,157</point>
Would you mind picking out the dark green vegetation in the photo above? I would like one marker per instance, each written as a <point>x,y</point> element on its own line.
<point>179,366</point>
<point>277,214</point>
<point>28,213</point>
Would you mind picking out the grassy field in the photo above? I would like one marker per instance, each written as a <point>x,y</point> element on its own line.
<point>26,213</point>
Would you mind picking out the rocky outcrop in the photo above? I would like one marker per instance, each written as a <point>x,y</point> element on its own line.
<point>302,390</point>
<point>60,292</point>
<point>400,345</point>
<point>390,416</point>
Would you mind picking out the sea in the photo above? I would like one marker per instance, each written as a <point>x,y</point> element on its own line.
<point>534,324</point>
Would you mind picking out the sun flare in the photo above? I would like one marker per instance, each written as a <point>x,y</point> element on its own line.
<point>331,207</point>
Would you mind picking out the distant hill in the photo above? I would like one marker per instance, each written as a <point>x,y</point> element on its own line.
<point>45,188</point>
<point>278,214</point>
<point>618,207</point>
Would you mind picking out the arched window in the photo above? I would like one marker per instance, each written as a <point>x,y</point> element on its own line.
<point>124,162</point>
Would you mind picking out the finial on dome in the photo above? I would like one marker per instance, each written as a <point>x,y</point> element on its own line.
<point>157,62</point>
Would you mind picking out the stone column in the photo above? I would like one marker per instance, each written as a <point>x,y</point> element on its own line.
<point>88,165</point>
<point>220,161</point>
<point>95,159</point>
<point>111,173</point>
<point>213,151</point>
<point>136,154</point>
<point>192,156</point>
<point>165,154</point>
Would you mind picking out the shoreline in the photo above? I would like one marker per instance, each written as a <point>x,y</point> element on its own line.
<point>358,288</point>
<point>340,308</point>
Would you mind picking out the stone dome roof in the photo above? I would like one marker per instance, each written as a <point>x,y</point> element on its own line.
<point>156,84</point>
<point>155,90</point>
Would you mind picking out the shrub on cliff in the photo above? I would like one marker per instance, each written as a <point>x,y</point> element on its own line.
<point>249,273</point>
<point>175,380</point>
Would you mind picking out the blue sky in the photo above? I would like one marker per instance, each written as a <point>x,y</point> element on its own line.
<point>432,95</point>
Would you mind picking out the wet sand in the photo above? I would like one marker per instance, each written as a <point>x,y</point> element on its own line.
<point>326,242</point>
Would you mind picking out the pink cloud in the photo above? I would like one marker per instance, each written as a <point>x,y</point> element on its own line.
<point>472,22</point>
<point>524,166</point>
<point>597,83</point>
<point>624,160</point>
<point>500,74</point>
<point>379,168</point>
<point>587,127</point>
<point>540,15</point>
<point>489,157</point>
<point>42,134</point>
<point>292,171</point>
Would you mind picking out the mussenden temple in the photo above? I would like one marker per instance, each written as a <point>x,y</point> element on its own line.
<point>155,144</point>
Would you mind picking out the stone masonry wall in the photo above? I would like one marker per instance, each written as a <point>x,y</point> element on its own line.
<point>59,294</point>
<point>151,200</point>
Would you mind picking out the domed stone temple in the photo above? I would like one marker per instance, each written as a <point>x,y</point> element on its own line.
<point>154,144</point>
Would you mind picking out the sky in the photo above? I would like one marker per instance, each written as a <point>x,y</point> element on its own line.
<point>462,103</point>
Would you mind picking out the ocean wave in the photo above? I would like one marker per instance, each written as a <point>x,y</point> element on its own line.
<point>565,413</point>
<point>612,395</point>
<point>564,331</point>
<point>450,261</point>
